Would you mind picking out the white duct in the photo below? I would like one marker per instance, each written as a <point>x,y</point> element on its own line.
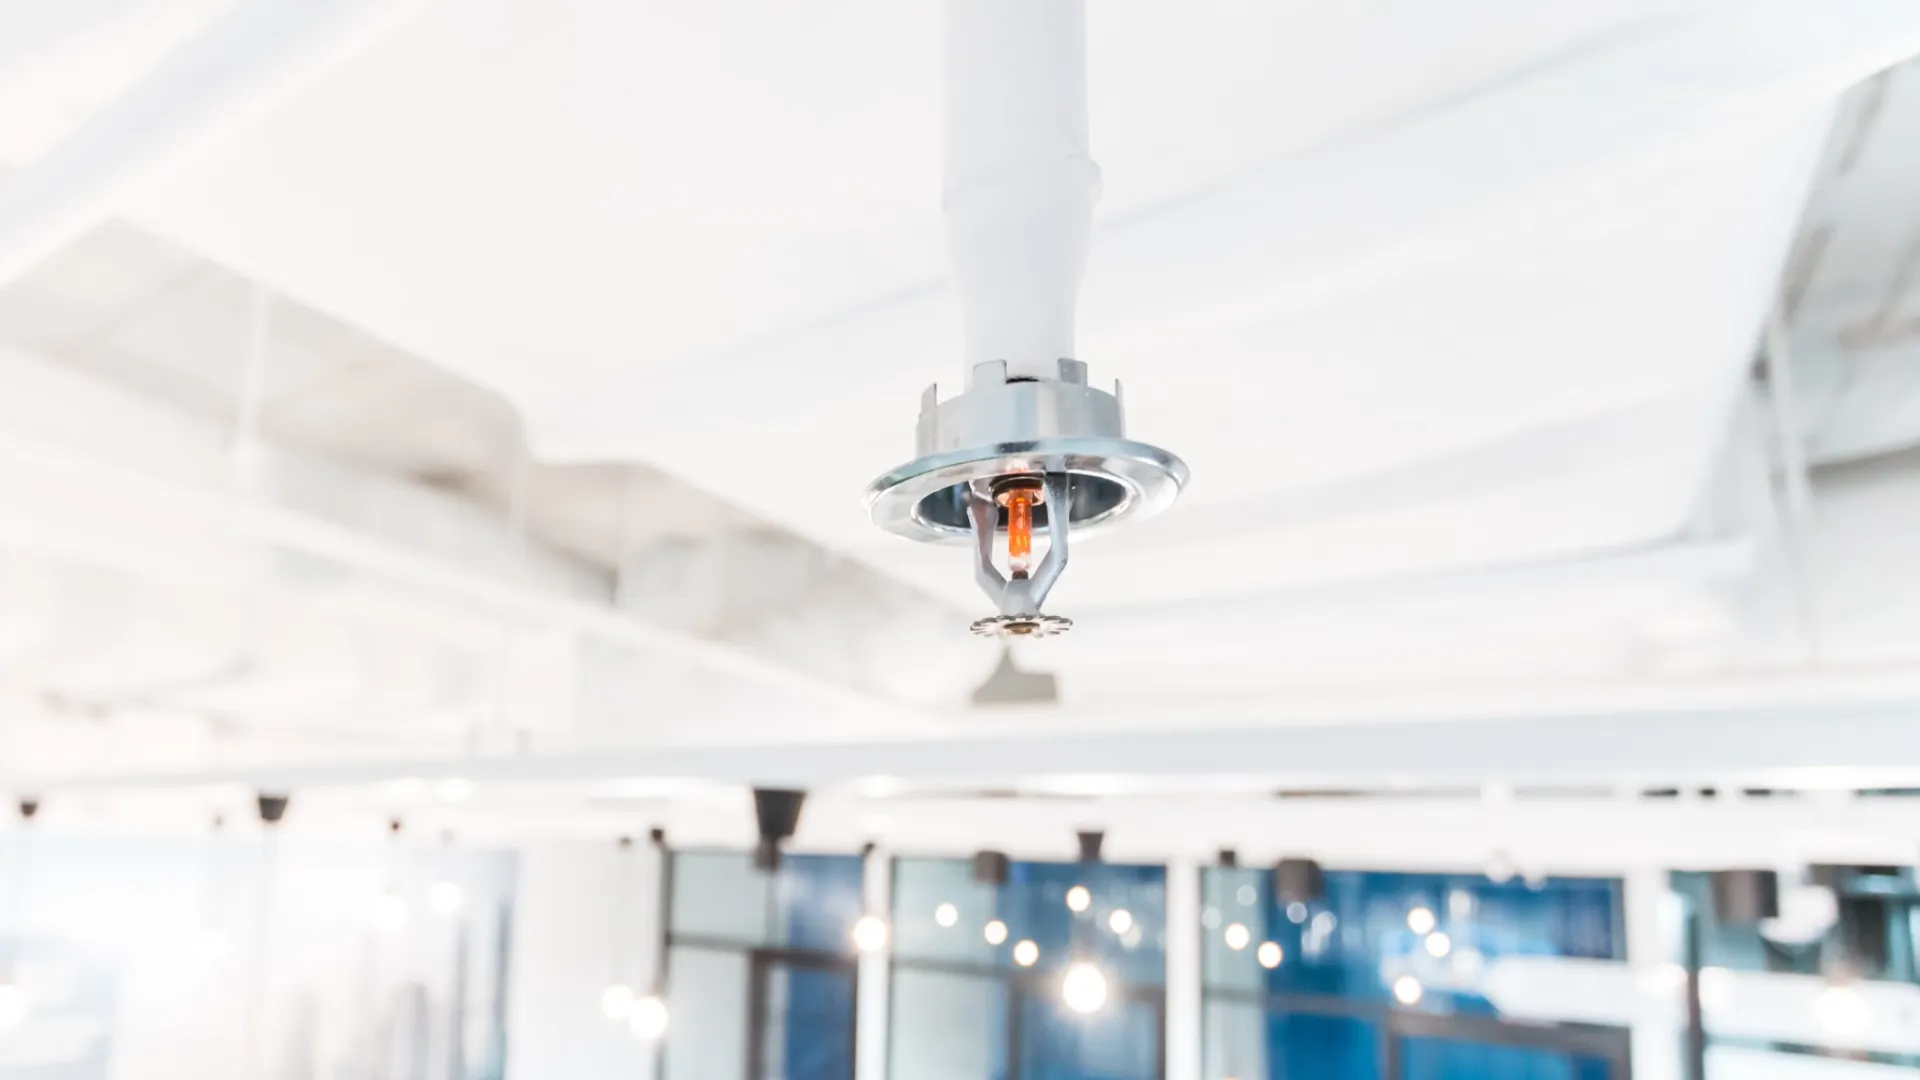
<point>1020,185</point>
<point>231,73</point>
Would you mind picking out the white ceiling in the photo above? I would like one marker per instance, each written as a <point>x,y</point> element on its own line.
<point>1451,307</point>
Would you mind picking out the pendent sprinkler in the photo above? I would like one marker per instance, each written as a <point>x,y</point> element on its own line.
<point>1028,447</point>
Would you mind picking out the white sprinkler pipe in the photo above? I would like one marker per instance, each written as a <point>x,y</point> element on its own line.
<point>1020,185</point>
<point>229,74</point>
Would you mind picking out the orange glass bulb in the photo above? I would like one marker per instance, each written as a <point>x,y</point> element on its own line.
<point>1019,531</point>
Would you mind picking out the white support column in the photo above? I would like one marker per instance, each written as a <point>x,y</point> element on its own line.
<point>1184,1004</point>
<point>1651,944</point>
<point>870,1034</point>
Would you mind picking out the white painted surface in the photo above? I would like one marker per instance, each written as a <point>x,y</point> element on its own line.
<point>566,926</point>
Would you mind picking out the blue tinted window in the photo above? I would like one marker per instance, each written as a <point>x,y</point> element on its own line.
<point>941,913</point>
<point>1246,1040</point>
<point>811,902</point>
<point>976,990</point>
<point>1373,928</point>
<point>1446,1059</point>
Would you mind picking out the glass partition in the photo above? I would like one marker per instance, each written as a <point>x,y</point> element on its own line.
<point>1056,974</point>
<point>761,973</point>
<point>1384,977</point>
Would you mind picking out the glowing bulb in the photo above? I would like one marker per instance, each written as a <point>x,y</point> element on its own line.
<point>445,898</point>
<point>1842,1011</point>
<point>453,789</point>
<point>946,914</point>
<point>1439,944</point>
<point>1500,868</point>
<point>1716,989</point>
<point>13,1006</point>
<point>1420,920</point>
<point>648,1020</point>
<point>1237,936</point>
<point>1084,988</point>
<point>1026,953</point>
<point>1078,898</point>
<point>1120,921</point>
<point>1019,504</point>
<point>996,932</point>
<point>617,1001</point>
<point>389,912</point>
<point>1663,980</point>
<point>1407,990</point>
<point>870,933</point>
<point>212,946</point>
<point>1270,954</point>
<point>1296,913</point>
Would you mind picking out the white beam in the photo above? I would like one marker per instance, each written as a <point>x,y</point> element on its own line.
<point>232,73</point>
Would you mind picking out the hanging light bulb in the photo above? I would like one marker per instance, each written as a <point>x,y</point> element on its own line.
<point>13,1006</point>
<point>1084,988</point>
<point>1078,899</point>
<point>389,911</point>
<point>870,933</point>
<point>996,932</point>
<point>1270,954</point>
<point>946,914</point>
<point>1421,920</point>
<point>1407,990</point>
<point>1026,953</point>
<point>1439,944</point>
<point>617,1001</point>
<point>648,1019</point>
<point>1120,921</point>
<point>1843,1012</point>
<point>1237,935</point>
<point>445,898</point>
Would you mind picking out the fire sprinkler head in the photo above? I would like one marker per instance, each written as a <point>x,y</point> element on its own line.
<point>1014,456</point>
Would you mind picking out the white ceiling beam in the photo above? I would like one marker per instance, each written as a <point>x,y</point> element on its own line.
<point>229,75</point>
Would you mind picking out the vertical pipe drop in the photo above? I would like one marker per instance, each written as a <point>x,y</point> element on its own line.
<point>1020,185</point>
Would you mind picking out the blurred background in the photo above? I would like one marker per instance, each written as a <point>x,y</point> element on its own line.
<point>440,636</point>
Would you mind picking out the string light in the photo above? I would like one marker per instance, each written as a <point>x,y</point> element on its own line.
<point>946,915</point>
<point>1420,919</point>
<point>649,1018</point>
<point>1270,954</point>
<point>1084,988</point>
<point>1439,944</point>
<point>996,932</point>
<point>617,1001</point>
<point>1237,936</point>
<point>1026,953</point>
<point>1120,921</point>
<point>1407,990</point>
<point>1078,899</point>
<point>870,934</point>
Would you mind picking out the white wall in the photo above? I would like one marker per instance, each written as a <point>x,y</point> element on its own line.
<point>150,958</point>
<point>567,929</point>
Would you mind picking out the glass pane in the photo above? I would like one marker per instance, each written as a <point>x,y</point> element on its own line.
<point>1244,1041</point>
<point>708,991</point>
<point>1444,1059</point>
<point>1431,934</point>
<point>1112,915</point>
<point>947,1026</point>
<point>807,1032</point>
<point>811,902</point>
<point>1120,1042</point>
